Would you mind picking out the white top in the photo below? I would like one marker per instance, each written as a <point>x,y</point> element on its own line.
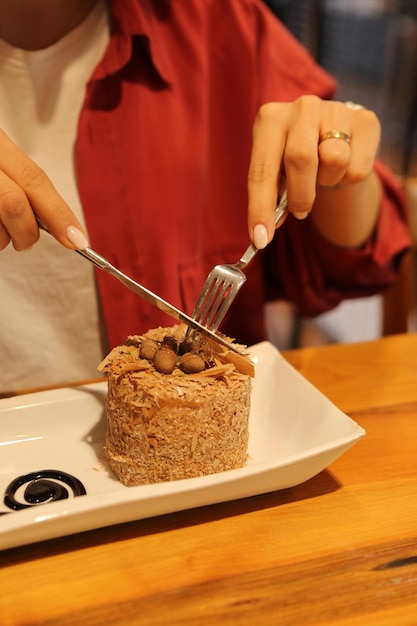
<point>50,321</point>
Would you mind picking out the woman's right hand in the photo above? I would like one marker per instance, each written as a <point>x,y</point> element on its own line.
<point>25,189</point>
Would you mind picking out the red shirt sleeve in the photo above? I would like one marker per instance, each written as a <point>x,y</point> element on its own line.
<point>303,267</point>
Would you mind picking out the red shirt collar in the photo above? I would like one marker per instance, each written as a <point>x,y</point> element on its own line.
<point>130,19</point>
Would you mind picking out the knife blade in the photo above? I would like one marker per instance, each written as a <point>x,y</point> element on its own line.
<point>105,265</point>
<point>151,297</point>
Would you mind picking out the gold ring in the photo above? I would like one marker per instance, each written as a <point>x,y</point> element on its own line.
<point>334,134</point>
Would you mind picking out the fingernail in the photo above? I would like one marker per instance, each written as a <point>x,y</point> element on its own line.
<point>77,238</point>
<point>260,236</point>
<point>301,215</point>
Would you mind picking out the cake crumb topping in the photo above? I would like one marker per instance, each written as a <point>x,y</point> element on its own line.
<point>171,351</point>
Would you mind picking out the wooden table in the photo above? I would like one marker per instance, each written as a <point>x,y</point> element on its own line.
<point>338,549</point>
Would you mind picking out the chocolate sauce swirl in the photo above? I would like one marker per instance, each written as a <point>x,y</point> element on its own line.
<point>42,487</point>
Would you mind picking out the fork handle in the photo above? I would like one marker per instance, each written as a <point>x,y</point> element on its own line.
<point>250,252</point>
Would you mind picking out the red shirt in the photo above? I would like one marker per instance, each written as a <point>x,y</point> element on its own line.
<point>162,158</point>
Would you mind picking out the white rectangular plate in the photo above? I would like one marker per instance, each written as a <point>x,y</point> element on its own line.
<point>295,432</point>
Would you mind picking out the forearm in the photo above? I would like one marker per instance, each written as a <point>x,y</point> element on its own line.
<point>346,215</point>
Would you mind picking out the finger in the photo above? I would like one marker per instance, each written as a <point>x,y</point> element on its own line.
<point>39,190</point>
<point>264,170</point>
<point>16,216</point>
<point>4,237</point>
<point>334,160</point>
<point>301,158</point>
<point>365,139</point>
<point>347,162</point>
<point>334,153</point>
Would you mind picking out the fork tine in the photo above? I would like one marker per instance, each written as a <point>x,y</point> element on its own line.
<point>217,295</point>
<point>223,306</point>
<point>206,296</point>
<point>204,312</point>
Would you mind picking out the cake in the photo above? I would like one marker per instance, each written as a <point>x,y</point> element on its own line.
<point>176,407</point>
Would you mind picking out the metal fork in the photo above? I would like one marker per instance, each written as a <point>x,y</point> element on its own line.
<point>224,282</point>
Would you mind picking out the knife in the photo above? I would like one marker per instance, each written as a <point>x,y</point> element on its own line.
<point>105,265</point>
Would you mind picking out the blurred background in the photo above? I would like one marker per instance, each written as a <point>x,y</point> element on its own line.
<point>370,47</point>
